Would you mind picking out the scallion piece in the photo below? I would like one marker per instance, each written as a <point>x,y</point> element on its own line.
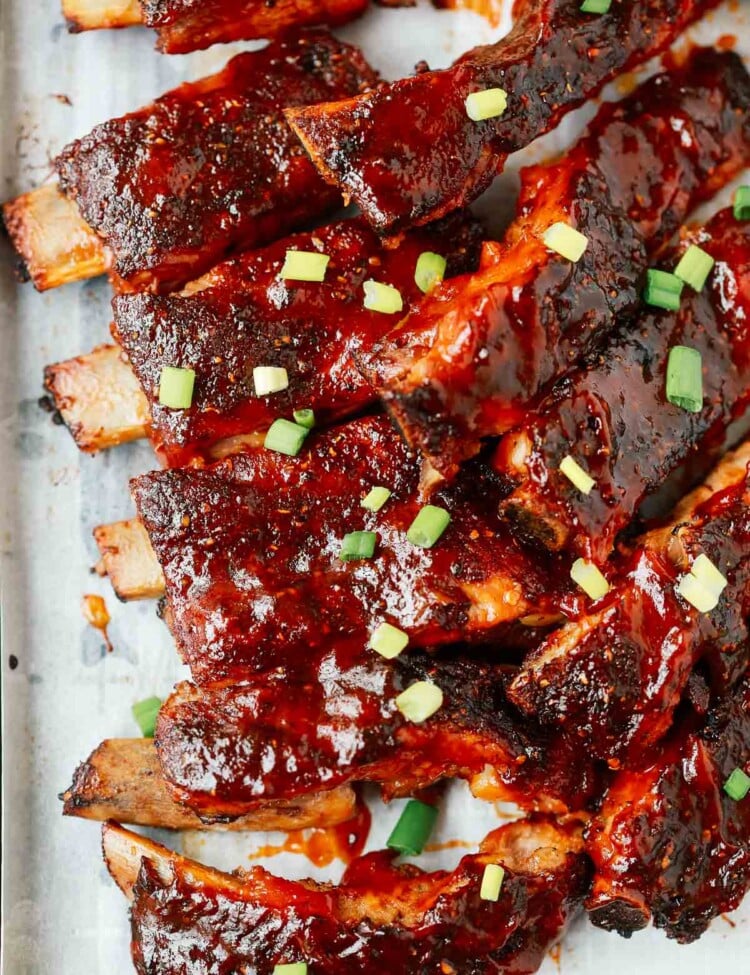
<point>413,828</point>
<point>176,387</point>
<point>420,701</point>
<point>565,241</point>
<point>596,6</point>
<point>490,103</point>
<point>305,418</point>
<point>737,785</point>
<point>145,713</point>
<point>375,498</point>
<point>708,575</point>
<point>305,266</point>
<point>663,290</point>
<point>388,641</point>
<point>684,385</point>
<point>269,379</point>
<point>742,203</point>
<point>358,545</point>
<point>586,575</point>
<point>694,592</point>
<point>577,475</point>
<point>428,526</point>
<point>492,881</point>
<point>694,267</point>
<point>291,968</point>
<point>430,270</point>
<point>285,437</point>
<point>382,297</point>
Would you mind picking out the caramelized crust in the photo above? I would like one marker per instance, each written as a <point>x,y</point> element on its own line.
<point>612,414</point>
<point>669,843</point>
<point>212,166</point>
<point>615,676</point>
<point>249,548</point>
<point>471,358</point>
<point>407,153</point>
<point>382,916</point>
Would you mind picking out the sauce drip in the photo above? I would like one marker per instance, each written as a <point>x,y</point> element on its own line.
<point>322,846</point>
<point>96,614</point>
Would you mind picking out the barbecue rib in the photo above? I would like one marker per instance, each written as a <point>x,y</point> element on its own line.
<point>223,750</point>
<point>669,843</point>
<point>382,916</point>
<point>473,356</point>
<point>190,25</point>
<point>206,169</point>
<point>241,315</point>
<point>122,780</point>
<point>616,675</point>
<point>612,414</point>
<point>249,548</point>
<point>407,153</point>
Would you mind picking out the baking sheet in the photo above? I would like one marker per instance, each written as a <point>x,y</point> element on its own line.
<point>62,693</point>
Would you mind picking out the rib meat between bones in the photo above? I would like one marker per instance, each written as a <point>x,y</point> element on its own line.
<point>407,153</point>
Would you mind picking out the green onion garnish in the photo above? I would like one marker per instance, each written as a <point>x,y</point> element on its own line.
<point>176,387</point>
<point>269,379</point>
<point>742,203</point>
<point>291,968</point>
<point>413,828</point>
<point>428,526</point>
<point>663,290</point>
<point>596,6</point>
<point>145,713</point>
<point>486,104</point>
<point>305,418</point>
<point>576,474</point>
<point>737,785</point>
<point>430,270</point>
<point>694,267</point>
<point>586,575</point>
<point>305,266</point>
<point>382,297</point>
<point>358,545</point>
<point>375,498</point>
<point>684,385</point>
<point>420,701</point>
<point>703,585</point>
<point>492,881</point>
<point>285,437</point>
<point>388,641</point>
<point>565,241</point>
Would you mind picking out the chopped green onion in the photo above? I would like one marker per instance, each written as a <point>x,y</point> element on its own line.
<point>305,266</point>
<point>176,387</point>
<point>492,881</point>
<point>586,575</point>
<point>694,592</point>
<point>742,203</point>
<point>413,828</point>
<point>145,713</point>
<point>285,437</point>
<point>708,575</point>
<point>685,378</point>
<point>694,267</point>
<point>737,785</point>
<point>291,968</point>
<point>663,290</point>
<point>388,641</point>
<point>486,104</point>
<point>304,418</point>
<point>269,379</point>
<point>358,545</point>
<point>577,475</point>
<point>428,526</point>
<point>375,498</point>
<point>565,241</point>
<point>430,270</point>
<point>420,701</point>
<point>596,6</point>
<point>382,297</point>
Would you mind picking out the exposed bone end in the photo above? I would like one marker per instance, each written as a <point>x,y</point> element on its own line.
<point>98,398</point>
<point>97,14</point>
<point>53,241</point>
<point>129,560</point>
